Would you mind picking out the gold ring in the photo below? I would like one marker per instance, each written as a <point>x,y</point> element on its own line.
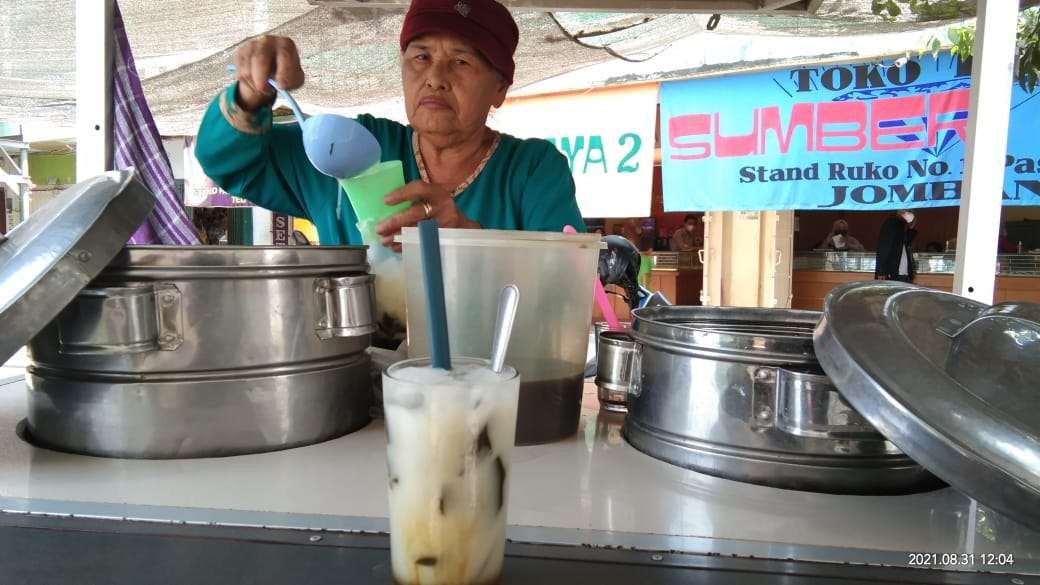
<point>427,208</point>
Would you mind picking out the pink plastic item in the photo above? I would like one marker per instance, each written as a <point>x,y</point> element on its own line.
<point>601,295</point>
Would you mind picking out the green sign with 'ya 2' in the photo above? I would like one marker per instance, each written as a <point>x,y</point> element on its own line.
<point>607,137</point>
<point>593,154</point>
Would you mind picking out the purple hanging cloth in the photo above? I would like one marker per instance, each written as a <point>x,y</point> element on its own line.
<point>136,143</point>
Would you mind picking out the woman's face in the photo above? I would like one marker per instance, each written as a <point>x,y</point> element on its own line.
<point>449,87</point>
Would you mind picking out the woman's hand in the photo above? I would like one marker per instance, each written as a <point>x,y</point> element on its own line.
<point>428,202</point>
<point>262,58</point>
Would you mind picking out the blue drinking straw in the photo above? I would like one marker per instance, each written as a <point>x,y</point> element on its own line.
<point>433,280</point>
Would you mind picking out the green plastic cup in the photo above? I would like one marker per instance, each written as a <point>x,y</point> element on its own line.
<point>367,190</point>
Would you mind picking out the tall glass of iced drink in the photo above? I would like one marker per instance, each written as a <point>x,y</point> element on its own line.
<point>449,439</point>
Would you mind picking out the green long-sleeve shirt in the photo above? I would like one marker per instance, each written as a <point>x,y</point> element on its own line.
<point>526,184</point>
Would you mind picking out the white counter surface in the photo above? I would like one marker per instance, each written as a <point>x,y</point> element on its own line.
<point>592,489</point>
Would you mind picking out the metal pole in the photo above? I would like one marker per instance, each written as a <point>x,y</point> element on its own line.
<point>94,58</point>
<point>992,74</point>
<point>23,188</point>
<point>262,218</point>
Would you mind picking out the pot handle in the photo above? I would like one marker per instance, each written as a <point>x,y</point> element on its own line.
<point>346,306</point>
<point>808,405</point>
<point>805,405</point>
<point>763,398</point>
<point>635,387</point>
<point>119,320</point>
<point>1022,312</point>
<point>168,316</point>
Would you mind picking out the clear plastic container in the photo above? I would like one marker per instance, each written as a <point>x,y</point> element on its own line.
<point>555,273</point>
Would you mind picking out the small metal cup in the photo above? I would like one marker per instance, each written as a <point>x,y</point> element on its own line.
<point>597,328</point>
<point>616,353</point>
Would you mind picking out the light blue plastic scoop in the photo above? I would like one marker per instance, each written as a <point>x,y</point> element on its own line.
<point>336,145</point>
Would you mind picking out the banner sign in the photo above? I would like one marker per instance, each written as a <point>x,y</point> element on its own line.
<point>200,190</point>
<point>281,229</point>
<point>861,136</point>
<point>607,137</point>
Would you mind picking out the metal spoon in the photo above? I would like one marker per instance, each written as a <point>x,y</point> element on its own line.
<point>508,300</point>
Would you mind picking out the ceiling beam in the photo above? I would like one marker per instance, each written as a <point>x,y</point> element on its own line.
<point>778,4</point>
<point>13,180</point>
<point>635,6</point>
<point>13,145</point>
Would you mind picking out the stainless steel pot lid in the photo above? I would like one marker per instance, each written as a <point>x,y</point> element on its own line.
<point>50,257</point>
<point>953,383</point>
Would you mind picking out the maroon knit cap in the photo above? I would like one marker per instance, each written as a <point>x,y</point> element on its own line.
<point>485,24</point>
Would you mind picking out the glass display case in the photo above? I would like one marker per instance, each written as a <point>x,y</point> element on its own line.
<point>675,261</point>
<point>927,263</point>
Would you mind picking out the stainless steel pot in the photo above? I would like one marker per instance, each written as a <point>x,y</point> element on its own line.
<point>207,351</point>
<point>614,369</point>
<point>738,393</point>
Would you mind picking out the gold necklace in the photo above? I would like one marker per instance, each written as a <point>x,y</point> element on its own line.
<point>425,175</point>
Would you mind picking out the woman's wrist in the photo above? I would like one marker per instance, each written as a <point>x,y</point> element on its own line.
<point>251,100</point>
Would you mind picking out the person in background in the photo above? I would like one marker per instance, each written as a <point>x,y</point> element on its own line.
<point>686,238</point>
<point>646,238</point>
<point>895,258</point>
<point>632,231</point>
<point>839,239</point>
<point>1005,245</point>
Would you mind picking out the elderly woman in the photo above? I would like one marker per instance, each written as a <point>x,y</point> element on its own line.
<point>456,64</point>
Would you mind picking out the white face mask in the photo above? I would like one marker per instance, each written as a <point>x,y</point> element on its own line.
<point>909,217</point>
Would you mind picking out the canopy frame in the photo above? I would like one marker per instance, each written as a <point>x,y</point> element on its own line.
<point>992,75</point>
